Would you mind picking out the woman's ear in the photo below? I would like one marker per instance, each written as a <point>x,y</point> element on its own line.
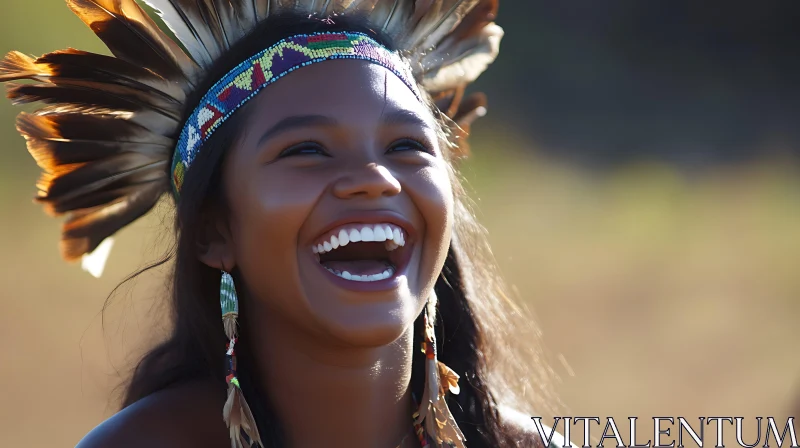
<point>214,243</point>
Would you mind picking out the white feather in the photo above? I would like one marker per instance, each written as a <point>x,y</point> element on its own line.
<point>456,63</point>
<point>95,262</point>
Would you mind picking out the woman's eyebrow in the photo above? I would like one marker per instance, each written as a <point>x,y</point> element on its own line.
<point>405,117</point>
<point>297,121</point>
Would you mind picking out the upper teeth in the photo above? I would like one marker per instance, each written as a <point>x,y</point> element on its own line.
<point>354,233</point>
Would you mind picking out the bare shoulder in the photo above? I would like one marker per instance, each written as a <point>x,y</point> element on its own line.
<point>525,429</point>
<point>185,415</point>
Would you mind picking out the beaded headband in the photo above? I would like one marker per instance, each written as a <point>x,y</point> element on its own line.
<point>242,83</point>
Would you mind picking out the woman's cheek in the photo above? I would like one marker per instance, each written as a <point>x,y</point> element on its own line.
<point>434,198</point>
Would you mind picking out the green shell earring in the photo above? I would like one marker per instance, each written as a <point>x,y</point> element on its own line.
<point>236,413</point>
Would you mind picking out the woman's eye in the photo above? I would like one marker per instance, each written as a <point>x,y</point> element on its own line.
<point>305,148</point>
<point>408,144</point>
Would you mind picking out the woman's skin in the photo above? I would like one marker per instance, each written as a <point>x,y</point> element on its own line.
<point>336,143</point>
<point>362,149</point>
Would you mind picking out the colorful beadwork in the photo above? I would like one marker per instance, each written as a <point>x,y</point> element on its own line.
<point>227,295</point>
<point>248,78</point>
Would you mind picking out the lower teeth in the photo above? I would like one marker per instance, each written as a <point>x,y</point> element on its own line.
<point>363,278</point>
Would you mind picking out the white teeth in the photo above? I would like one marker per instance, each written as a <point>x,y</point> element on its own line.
<point>344,238</point>
<point>398,236</point>
<point>392,235</point>
<point>364,278</point>
<point>380,235</point>
<point>367,234</point>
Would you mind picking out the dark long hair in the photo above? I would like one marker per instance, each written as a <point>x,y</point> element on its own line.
<point>475,317</point>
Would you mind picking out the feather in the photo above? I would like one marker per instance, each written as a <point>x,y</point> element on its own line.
<point>330,8</point>
<point>463,112</point>
<point>77,64</point>
<point>17,66</point>
<point>438,22</point>
<point>95,262</point>
<point>110,79</point>
<point>238,16</point>
<point>358,7</point>
<point>449,379</point>
<point>422,9</point>
<point>265,8</point>
<point>87,95</point>
<point>391,16</point>
<point>460,61</point>
<point>247,13</point>
<point>87,126</point>
<point>237,415</point>
<point>69,181</point>
<point>57,140</point>
<point>130,34</point>
<point>97,198</point>
<point>190,28</point>
<point>86,229</point>
<point>145,119</point>
<point>484,13</point>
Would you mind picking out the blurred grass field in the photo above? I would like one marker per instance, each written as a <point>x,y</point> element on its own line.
<point>662,295</point>
<point>659,293</point>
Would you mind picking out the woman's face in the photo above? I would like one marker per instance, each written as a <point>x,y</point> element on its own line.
<point>340,153</point>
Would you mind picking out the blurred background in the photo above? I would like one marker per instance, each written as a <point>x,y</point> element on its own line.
<point>638,173</point>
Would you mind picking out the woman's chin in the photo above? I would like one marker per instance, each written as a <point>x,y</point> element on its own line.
<point>368,323</point>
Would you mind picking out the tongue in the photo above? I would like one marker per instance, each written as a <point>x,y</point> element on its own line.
<point>358,267</point>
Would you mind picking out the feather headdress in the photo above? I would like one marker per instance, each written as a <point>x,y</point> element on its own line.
<point>105,136</point>
<point>109,125</point>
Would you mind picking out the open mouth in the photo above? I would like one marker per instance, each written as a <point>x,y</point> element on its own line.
<point>363,252</point>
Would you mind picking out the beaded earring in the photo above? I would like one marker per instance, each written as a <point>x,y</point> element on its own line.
<point>433,412</point>
<point>236,413</point>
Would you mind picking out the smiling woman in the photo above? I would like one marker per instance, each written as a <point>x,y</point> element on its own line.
<point>310,147</point>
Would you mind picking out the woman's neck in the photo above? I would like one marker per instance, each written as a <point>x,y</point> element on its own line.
<point>334,396</point>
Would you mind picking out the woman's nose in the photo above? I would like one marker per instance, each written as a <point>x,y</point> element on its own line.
<point>368,181</point>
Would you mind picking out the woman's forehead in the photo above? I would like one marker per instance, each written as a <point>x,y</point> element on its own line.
<point>346,89</point>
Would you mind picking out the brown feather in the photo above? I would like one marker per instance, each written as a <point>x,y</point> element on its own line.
<point>88,95</point>
<point>18,66</point>
<point>70,181</point>
<point>146,119</point>
<point>86,229</point>
<point>55,140</point>
<point>463,112</point>
<point>97,198</point>
<point>145,100</point>
<point>132,35</point>
<point>484,13</point>
<point>75,64</point>
<point>199,26</point>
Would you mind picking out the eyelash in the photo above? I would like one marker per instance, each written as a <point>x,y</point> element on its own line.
<point>298,148</point>
<point>295,149</point>
<point>410,142</point>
